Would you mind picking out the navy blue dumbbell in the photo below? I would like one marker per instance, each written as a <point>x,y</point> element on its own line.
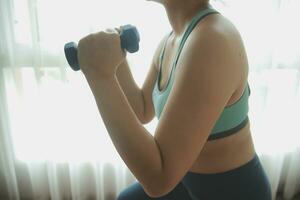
<point>129,41</point>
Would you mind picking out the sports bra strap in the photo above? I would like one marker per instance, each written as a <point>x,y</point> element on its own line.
<point>201,14</point>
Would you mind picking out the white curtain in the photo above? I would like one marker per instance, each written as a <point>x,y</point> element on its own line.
<point>53,143</point>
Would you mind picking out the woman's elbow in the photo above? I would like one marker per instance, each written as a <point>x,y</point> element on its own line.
<point>158,189</point>
<point>155,192</point>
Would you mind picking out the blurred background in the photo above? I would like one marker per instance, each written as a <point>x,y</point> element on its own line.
<point>48,152</point>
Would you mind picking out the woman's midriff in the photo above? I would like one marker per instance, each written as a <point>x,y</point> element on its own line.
<point>226,153</point>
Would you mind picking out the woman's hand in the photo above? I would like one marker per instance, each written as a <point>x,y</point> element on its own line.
<point>100,54</point>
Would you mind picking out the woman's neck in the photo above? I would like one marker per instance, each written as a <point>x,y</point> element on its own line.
<point>180,13</point>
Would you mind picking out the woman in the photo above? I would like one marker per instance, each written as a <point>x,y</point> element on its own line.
<point>197,87</point>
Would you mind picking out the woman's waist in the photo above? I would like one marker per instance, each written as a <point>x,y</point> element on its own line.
<point>226,153</point>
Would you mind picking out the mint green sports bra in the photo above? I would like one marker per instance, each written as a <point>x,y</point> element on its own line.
<point>233,117</point>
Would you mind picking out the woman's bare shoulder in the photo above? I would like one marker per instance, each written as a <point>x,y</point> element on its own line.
<point>220,24</point>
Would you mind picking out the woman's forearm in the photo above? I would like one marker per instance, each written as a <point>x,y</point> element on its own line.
<point>131,90</point>
<point>134,143</point>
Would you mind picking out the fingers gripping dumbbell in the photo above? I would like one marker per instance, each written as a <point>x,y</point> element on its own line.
<point>129,41</point>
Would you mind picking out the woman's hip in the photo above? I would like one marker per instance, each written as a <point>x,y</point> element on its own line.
<point>248,181</point>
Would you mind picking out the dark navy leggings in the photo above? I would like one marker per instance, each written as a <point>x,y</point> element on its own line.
<point>247,182</point>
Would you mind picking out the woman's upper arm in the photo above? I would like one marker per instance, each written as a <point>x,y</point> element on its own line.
<point>150,80</point>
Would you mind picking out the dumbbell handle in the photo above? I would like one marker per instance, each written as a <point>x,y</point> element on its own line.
<point>129,41</point>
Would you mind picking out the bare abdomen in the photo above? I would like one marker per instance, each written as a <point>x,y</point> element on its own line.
<point>225,153</point>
